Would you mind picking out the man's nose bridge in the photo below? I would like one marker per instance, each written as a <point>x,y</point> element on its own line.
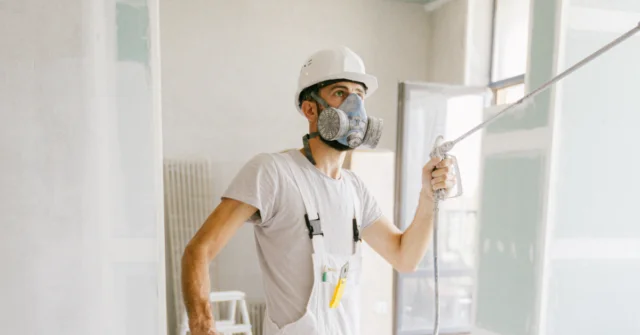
<point>352,95</point>
<point>355,98</point>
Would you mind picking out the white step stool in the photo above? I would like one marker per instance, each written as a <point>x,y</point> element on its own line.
<point>227,326</point>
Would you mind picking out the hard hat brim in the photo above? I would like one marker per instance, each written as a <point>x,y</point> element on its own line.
<point>371,82</point>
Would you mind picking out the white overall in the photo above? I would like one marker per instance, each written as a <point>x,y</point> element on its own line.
<point>319,319</point>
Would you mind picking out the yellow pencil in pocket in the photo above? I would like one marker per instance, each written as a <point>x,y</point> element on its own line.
<point>339,290</point>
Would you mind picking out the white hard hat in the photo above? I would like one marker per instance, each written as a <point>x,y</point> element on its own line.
<point>330,64</point>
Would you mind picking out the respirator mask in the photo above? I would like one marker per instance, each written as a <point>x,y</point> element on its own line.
<point>348,124</point>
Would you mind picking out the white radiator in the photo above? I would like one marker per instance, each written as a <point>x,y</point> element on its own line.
<point>188,196</point>
<point>256,314</point>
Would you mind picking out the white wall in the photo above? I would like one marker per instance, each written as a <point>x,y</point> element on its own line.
<point>81,233</point>
<point>448,43</point>
<point>229,76</point>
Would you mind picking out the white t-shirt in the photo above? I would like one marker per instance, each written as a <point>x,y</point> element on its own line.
<point>282,239</point>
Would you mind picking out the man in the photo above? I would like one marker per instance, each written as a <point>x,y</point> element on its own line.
<point>310,216</point>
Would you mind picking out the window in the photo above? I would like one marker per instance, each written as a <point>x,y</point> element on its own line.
<point>510,49</point>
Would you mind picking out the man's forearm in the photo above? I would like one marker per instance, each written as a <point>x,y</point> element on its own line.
<point>415,240</point>
<point>195,289</point>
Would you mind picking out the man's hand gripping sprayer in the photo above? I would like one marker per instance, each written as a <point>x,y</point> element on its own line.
<point>441,150</point>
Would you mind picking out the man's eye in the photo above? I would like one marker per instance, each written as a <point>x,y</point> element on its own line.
<point>340,93</point>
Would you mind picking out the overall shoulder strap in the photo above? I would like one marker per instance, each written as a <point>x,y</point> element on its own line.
<point>312,217</point>
<point>357,212</point>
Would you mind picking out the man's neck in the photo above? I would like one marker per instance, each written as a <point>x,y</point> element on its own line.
<point>328,160</point>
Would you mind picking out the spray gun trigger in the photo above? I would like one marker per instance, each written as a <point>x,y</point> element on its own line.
<point>440,150</point>
<point>456,168</point>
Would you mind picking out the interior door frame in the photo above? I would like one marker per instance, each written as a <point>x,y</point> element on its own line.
<point>404,88</point>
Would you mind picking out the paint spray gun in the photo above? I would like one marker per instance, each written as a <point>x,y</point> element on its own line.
<point>441,150</point>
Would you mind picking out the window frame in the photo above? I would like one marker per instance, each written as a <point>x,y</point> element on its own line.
<point>502,85</point>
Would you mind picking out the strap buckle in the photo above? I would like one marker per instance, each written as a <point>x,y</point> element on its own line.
<point>356,231</point>
<point>314,226</point>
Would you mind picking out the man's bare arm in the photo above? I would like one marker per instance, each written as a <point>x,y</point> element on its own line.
<point>404,251</point>
<point>214,234</point>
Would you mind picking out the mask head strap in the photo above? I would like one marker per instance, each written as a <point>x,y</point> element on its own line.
<point>321,101</point>
<point>307,148</point>
<point>306,138</point>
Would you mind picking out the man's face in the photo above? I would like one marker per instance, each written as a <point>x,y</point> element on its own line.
<point>336,93</point>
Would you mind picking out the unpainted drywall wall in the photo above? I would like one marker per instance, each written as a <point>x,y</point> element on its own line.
<point>81,228</point>
<point>594,237</point>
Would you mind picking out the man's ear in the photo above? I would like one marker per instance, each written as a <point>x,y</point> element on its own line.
<point>310,110</point>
